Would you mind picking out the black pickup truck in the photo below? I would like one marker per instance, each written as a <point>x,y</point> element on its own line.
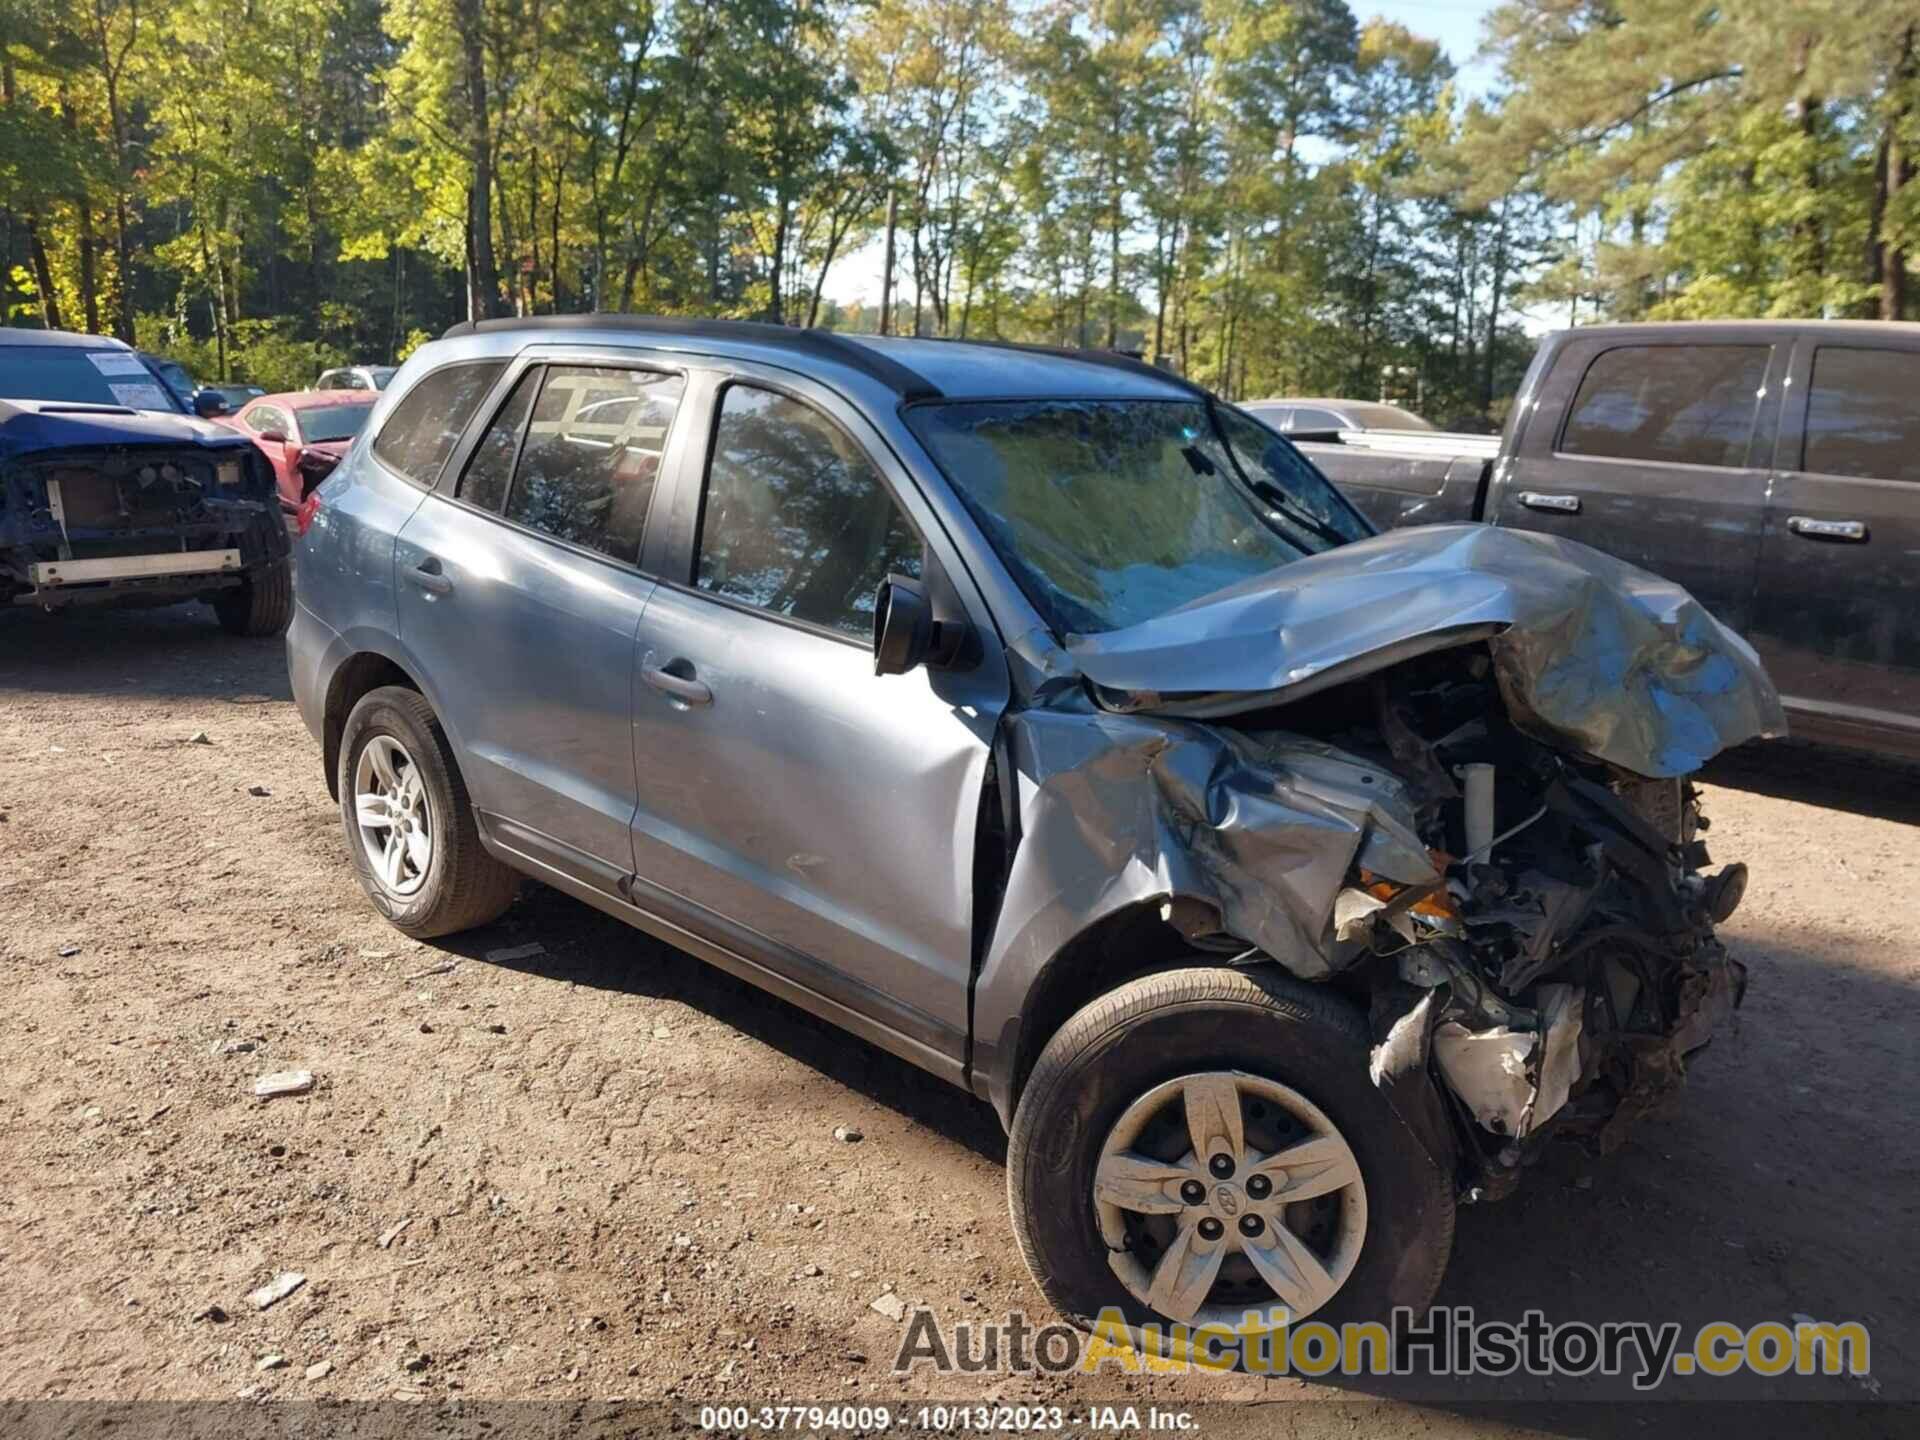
<point>1770,467</point>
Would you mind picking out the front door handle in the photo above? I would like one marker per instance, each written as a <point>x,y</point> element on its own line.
<point>1827,529</point>
<point>1560,504</point>
<point>682,687</point>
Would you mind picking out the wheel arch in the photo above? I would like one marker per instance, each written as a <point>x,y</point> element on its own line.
<point>1129,941</point>
<point>354,678</point>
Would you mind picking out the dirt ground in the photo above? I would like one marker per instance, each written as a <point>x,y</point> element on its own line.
<point>617,1168</point>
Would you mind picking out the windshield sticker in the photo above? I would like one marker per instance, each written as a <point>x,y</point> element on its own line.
<point>116,362</point>
<point>146,396</point>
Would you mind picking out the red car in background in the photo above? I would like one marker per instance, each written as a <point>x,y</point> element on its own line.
<point>304,434</point>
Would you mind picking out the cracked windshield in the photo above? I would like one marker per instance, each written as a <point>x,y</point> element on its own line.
<point>1112,512</point>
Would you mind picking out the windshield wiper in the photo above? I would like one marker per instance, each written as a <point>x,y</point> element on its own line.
<point>1202,464</point>
<point>1283,502</point>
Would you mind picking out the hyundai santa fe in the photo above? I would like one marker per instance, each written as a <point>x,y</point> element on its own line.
<point>1044,719</point>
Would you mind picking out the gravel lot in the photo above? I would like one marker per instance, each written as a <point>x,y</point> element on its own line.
<point>618,1168</point>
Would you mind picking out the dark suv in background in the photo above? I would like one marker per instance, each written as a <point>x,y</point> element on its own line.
<point>1048,722</point>
<point>112,493</point>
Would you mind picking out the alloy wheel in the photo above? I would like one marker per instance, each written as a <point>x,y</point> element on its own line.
<point>1223,1192</point>
<point>393,816</point>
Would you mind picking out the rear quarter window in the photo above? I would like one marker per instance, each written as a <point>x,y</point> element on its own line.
<point>1670,404</point>
<point>424,427</point>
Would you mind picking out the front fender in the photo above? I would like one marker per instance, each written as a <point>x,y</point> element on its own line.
<point>1257,830</point>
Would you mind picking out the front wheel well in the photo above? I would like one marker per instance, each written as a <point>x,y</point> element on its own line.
<point>1134,941</point>
<point>357,675</point>
<point>1127,944</point>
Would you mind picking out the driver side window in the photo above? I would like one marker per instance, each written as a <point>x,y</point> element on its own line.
<point>797,520</point>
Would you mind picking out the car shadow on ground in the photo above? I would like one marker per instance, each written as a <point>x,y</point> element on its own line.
<point>174,650</point>
<point>1717,1208</point>
<point>1883,788</point>
<point>584,947</point>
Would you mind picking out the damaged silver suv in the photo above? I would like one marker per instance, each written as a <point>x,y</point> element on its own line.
<point>1051,723</point>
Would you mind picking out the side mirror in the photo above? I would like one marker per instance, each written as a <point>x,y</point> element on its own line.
<point>903,626</point>
<point>208,403</point>
<point>278,437</point>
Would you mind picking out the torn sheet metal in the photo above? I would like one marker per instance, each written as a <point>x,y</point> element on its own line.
<point>1487,1069</point>
<point>1515,1080</point>
<point>1589,652</point>
<point>1264,829</point>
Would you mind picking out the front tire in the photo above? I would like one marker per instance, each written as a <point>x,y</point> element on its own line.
<point>1314,1196</point>
<point>259,605</point>
<point>410,827</point>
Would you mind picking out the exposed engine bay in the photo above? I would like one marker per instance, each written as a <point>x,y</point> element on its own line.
<point>132,520</point>
<point>1561,965</point>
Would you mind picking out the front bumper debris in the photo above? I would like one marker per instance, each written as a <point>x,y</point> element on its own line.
<point>50,574</point>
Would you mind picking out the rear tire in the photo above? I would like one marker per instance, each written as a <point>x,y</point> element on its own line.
<point>1276,1037</point>
<point>461,886</point>
<point>259,605</point>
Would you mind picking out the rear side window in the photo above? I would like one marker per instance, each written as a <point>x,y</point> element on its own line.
<point>1316,420</point>
<point>1670,404</point>
<point>592,456</point>
<point>797,521</point>
<point>1863,414</point>
<point>422,430</point>
<point>491,468</point>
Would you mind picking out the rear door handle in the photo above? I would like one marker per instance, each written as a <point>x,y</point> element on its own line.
<point>1560,504</point>
<point>430,577</point>
<point>684,688</point>
<point>1827,529</point>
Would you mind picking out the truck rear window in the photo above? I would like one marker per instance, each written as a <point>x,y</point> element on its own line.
<point>1861,413</point>
<point>1669,404</point>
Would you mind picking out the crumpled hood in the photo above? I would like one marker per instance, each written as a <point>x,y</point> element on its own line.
<point>27,426</point>
<point>1590,652</point>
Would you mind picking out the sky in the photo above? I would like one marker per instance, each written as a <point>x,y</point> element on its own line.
<point>1454,23</point>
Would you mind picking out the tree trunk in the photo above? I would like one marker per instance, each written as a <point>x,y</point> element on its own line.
<point>1891,172</point>
<point>483,276</point>
<point>123,250</point>
<point>42,276</point>
<point>553,249</point>
<point>1493,310</point>
<point>886,274</point>
<point>218,307</point>
<point>779,259</point>
<point>1809,259</point>
<point>1113,243</point>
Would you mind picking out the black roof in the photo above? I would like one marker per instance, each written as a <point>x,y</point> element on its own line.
<point>864,353</point>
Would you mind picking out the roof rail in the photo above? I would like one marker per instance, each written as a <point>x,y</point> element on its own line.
<point>820,344</point>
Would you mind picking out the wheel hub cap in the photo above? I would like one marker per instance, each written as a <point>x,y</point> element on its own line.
<point>1285,1229</point>
<point>392,815</point>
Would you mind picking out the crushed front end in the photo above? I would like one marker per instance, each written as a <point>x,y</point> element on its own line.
<point>1559,966</point>
<point>1444,771</point>
<point>104,507</point>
